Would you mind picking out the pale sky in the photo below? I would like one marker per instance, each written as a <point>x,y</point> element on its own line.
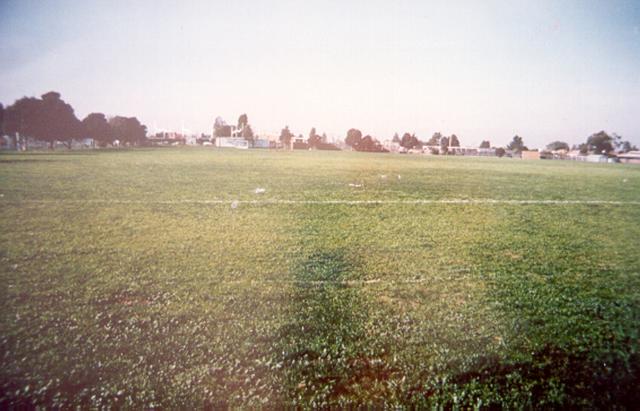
<point>545,70</point>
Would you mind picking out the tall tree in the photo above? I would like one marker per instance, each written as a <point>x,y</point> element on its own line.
<point>369,144</point>
<point>128,130</point>
<point>485,144</point>
<point>59,122</point>
<point>435,139</point>
<point>243,121</point>
<point>247,133</point>
<point>286,136</point>
<point>396,138</point>
<point>557,145</point>
<point>354,136</point>
<point>409,141</point>
<point>220,128</point>
<point>48,119</point>
<point>314,139</point>
<point>444,145</point>
<point>454,142</point>
<point>627,146</point>
<point>22,120</point>
<point>366,144</point>
<point>600,143</point>
<point>517,144</point>
<point>97,128</point>
<point>583,148</point>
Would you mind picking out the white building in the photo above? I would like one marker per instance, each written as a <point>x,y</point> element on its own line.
<point>232,142</point>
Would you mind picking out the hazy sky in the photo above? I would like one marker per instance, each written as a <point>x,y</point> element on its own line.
<point>480,69</point>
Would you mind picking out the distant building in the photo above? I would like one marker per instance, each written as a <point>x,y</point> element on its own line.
<point>232,142</point>
<point>488,152</point>
<point>298,143</point>
<point>167,138</point>
<point>392,146</point>
<point>632,157</point>
<point>597,158</point>
<point>261,143</point>
<point>463,151</point>
<point>530,155</point>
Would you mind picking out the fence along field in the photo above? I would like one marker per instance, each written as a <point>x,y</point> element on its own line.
<point>128,279</point>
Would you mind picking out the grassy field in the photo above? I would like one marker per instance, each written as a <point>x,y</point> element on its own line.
<point>129,280</point>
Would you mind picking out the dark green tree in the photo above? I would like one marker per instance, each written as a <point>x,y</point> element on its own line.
<point>557,145</point>
<point>97,128</point>
<point>409,141</point>
<point>286,136</point>
<point>485,144</point>
<point>600,143</point>
<point>128,130</point>
<point>627,146</point>
<point>243,121</point>
<point>247,133</point>
<point>314,139</point>
<point>220,128</point>
<point>48,119</point>
<point>517,144</point>
<point>435,139</point>
<point>57,121</point>
<point>454,142</point>
<point>353,138</point>
<point>444,145</point>
<point>22,120</point>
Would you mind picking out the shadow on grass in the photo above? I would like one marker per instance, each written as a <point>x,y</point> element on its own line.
<point>569,349</point>
<point>326,353</point>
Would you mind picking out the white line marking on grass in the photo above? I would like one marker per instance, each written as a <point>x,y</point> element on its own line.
<point>480,201</point>
<point>323,282</point>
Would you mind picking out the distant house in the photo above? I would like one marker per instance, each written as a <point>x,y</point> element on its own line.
<point>298,143</point>
<point>232,142</point>
<point>489,152</point>
<point>597,158</point>
<point>575,155</point>
<point>632,157</point>
<point>463,151</point>
<point>530,155</point>
<point>392,146</point>
<point>261,143</point>
<point>167,138</point>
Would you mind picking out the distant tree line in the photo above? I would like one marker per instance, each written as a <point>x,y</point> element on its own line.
<point>355,140</point>
<point>50,119</point>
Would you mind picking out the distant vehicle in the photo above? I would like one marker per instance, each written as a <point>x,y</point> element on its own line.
<point>207,143</point>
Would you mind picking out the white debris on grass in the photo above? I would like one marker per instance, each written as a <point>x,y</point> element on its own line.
<point>355,185</point>
<point>383,176</point>
<point>624,180</point>
<point>260,190</point>
<point>234,204</point>
<point>399,177</point>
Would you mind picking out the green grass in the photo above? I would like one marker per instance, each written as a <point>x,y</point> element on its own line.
<point>135,299</point>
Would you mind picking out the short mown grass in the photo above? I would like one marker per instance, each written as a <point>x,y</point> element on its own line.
<point>138,300</point>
